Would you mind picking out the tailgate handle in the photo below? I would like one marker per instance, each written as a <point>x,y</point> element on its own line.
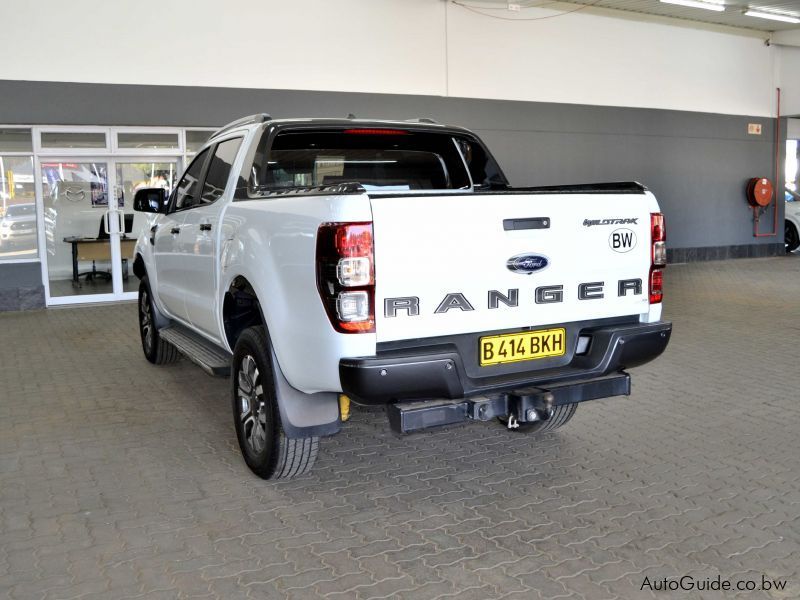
<point>531,223</point>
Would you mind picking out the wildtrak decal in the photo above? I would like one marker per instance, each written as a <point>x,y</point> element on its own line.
<point>593,222</point>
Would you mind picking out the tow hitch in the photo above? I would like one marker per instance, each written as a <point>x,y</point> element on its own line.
<point>526,405</point>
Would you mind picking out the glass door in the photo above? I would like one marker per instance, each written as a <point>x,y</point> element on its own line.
<point>89,226</point>
<point>79,253</point>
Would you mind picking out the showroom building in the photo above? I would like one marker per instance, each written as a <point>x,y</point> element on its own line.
<point>684,103</point>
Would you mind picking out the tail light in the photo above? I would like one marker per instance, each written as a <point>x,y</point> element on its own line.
<point>346,275</point>
<point>658,257</point>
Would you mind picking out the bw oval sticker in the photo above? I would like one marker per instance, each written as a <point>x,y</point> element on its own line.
<point>622,240</point>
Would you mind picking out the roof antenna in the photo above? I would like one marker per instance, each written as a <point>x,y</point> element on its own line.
<point>351,116</point>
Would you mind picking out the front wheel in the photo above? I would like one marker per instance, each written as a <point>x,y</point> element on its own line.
<point>256,417</point>
<point>791,237</point>
<point>561,415</point>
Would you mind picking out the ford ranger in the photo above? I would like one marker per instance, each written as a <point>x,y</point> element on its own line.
<point>322,261</point>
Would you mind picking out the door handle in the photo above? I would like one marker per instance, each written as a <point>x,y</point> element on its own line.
<point>205,226</point>
<point>530,223</point>
<point>153,235</point>
<point>175,230</point>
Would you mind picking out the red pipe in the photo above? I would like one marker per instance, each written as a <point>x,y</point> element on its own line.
<point>774,231</point>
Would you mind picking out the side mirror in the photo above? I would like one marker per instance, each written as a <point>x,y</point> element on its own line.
<point>150,200</point>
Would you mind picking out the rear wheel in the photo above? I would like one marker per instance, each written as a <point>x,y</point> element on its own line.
<point>791,237</point>
<point>264,445</point>
<point>561,415</point>
<point>156,350</point>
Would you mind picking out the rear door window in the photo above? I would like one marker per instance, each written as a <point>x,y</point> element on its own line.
<point>219,169</point>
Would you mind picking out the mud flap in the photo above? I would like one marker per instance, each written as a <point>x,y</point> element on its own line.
<point>305,415</point>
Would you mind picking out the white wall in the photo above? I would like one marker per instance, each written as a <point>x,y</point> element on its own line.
<point>427,47</point>
<point>789,79</point>
<point>586,58</point>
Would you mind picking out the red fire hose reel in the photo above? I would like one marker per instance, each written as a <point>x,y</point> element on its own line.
<point>759,192</point>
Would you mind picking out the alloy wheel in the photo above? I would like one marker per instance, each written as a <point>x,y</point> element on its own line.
<point>252,409</point>
<point>146,320</point>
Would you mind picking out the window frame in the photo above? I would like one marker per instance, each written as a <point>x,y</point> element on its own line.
<point>30,152</point>
<point>201,179</point>
<point>179,150</point>
<point>38,149</point>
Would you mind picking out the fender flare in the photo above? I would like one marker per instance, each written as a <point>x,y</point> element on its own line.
<point>302,415</point>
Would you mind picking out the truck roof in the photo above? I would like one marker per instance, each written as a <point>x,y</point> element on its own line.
<point>258,120</point>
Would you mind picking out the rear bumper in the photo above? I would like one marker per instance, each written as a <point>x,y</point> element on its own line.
<point>443,374</point>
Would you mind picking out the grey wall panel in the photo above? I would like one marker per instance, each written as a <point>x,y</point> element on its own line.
<point>16,275</point>
<point>696,163</point>
<point>21,286</point>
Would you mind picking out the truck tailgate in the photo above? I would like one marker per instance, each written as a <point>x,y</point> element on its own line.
<point>439,258</point>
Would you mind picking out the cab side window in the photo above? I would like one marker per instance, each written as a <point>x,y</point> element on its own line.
<point>219,170</point>
<point>187,192</point>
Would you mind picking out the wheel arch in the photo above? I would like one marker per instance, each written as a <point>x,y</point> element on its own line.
<point>240,309</point>
<point>139,268</point>
<point>302,415</point>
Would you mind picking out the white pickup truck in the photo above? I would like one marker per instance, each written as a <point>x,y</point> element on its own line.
<point>317,261</point>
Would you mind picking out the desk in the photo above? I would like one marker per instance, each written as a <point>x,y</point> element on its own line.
<point>97,249</point>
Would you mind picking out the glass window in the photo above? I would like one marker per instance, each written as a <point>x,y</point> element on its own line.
<point>148,141</point>
<point>18,238</point>
<point>377,159</point>
<point>73,139</point>
<point>187,194</point>
<point>195,138</point>
<point>219,170</point>
<point>15,140</point>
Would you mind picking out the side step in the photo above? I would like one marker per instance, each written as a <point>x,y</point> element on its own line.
<point>213,360</point>
<point>527,404</point>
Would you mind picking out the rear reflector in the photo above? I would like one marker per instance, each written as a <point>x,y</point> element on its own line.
<point>656,286</point>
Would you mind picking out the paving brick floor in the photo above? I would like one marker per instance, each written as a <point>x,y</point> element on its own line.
<point>123,480</point>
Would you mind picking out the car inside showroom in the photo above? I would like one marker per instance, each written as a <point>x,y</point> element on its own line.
<point>399,299</point>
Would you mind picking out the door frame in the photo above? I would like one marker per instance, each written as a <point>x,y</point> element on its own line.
<point>117,292</point>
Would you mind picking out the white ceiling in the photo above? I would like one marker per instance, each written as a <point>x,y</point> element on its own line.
<point>732,16</point>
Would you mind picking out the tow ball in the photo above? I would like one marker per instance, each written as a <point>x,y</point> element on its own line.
<point>528,406</point>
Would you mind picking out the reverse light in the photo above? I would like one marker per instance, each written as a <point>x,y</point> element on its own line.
<point>346,275</point>
<point>658,257</point>
<point>659,254</point>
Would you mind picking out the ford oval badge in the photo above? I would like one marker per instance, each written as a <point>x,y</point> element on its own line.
<point>527,263</point>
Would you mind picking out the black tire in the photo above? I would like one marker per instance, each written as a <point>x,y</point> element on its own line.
<point>156,350</point>
<point>561,415</point>
<point>256,418</point>
<point>791,237</point>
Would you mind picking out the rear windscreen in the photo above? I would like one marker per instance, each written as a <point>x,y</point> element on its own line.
<point>378,159</point>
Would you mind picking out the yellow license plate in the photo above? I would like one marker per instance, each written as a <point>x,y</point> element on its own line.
<point>526,345</point>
